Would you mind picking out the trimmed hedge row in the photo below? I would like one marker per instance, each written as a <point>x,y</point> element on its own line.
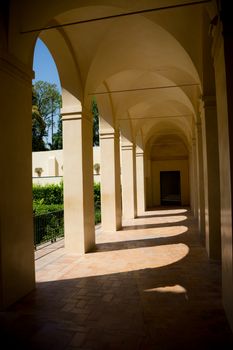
<point>48,194</point>
<point>97,199</point>
<point>49,198</point>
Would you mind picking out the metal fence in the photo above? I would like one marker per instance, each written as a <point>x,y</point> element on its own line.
<point>48,227</point>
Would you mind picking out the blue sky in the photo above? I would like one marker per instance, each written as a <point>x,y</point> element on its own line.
<point>45,69</point>
<point>44,66</point>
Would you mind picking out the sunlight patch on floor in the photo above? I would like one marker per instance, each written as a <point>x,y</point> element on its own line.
<point>112,262</point>
<point>141,234</point>
<point>155,220</point>
<point>165,212</point>
<point>168,289</point>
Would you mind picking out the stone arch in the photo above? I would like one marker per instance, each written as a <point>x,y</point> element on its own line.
<point>168,152</point>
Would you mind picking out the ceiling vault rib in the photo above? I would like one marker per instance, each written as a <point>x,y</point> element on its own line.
<point>115,16</point>
<point>158,116</point>
<point>141,89</point>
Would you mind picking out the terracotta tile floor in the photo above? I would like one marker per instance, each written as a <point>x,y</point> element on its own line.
<point>149,286</point>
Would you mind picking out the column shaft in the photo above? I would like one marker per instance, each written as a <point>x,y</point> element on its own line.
<point>140,183</point>
<point>111,212</point>
<point>78,183</point>
<point>128,170</point>
<point>17,273</point>
<point>200,180</point>
<point>211,179</point>
<point>193,175</point>
<point>222,51</point>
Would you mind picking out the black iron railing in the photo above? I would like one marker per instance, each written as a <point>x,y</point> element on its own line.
<point>48,227</point>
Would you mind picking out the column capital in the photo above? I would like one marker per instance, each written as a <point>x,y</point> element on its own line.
<point>128,147</point>
<point>139,153</point>
<point>69,115</point>
<point>17,69</point>
<point>72,113</point>
<point>109,135</point>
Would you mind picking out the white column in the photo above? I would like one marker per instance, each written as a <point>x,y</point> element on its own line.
<point>211,177</point>
<point>17,272</point>
<point>111,213</point>
<point>149,189</point>
<point>193,175</point>
<point>200,181</point>
<point>78,182</point>
<point>140,182</point>
<point>128,178</point>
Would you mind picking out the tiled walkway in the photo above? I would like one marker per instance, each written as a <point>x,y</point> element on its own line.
<point>149,286</point>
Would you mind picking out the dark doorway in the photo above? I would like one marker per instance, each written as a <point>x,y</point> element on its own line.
<point>170,188</point>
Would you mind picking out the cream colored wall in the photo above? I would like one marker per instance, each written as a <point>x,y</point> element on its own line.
<point>52,164</point>
<point>44,159</point>
<point>53,180</point>
<point>170,165</point>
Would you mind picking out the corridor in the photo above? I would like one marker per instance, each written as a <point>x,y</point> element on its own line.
<point>148,286</point>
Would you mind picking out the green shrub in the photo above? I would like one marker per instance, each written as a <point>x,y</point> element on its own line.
<point>97,216</point>
<point>41,208</point>
<point>49,198</point>
<point>97,198</point>
<point>50,194</point>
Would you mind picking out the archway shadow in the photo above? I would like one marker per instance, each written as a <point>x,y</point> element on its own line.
<point>139,243</point>
<point>138,226</point>
<point>175,306</point>
<point>165,211</point>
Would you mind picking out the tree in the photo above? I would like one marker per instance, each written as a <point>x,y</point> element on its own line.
<point>95,113</point>
<point>38,127</point>
<point>57,137</point>
<point>48,102</point>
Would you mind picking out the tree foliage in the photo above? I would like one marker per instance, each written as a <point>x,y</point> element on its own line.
<point>38,127</point>
<point>57,136</point>
<point>95,113</point>
<point>48,102</point>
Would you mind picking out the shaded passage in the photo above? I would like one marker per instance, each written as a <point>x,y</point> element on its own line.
<point>140,289</point>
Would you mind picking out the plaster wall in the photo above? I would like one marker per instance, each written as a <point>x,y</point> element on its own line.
<point>52,164</point>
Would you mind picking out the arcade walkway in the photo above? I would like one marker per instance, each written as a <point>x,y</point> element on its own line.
<point>149,286</point>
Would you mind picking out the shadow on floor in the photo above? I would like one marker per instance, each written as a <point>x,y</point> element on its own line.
<point>139,243</point>
<point>172,307</point>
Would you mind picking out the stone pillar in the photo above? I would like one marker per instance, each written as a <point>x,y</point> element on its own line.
<point>200,181</point>
<point>128,178</point>
<point>140,182</point>
<point>17,272</point>
<point>222,51</point>
<point>193,178</point>
<point>211,177</point>
<point>149,189</point>
<point>111,213</point>
<point>78,181</point>
<point>53,166</point>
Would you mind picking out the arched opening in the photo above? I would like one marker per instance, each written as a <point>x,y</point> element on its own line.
<point>47,156</point>
<point>169,159</point>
